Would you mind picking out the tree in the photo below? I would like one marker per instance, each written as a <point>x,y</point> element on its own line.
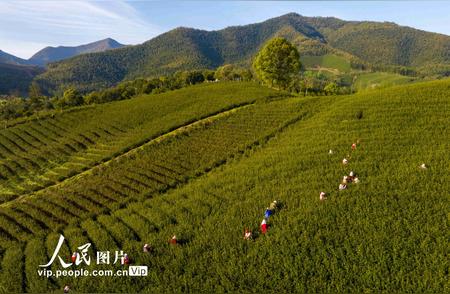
<point>225,72</point>
<point>34,92</point>
<point>331,89</point>
<point>72,97</point>
<point>193,77</point>
<point>277,63</point>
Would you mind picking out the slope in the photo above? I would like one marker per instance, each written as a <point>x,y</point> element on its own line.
<point>11,59</point>
<point>16,79</point>
<point>387,233</point>
<point>52,54</point>
<point>42,152</point>
<point>361,43</point>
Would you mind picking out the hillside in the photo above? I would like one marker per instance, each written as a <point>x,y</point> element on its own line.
<point>39,153</point>
<point>211,174</point>
<point>7,58</point>
<point>185,49</point>
<point>52,54</point>
<point>376,80</point>
<point>16,79</point>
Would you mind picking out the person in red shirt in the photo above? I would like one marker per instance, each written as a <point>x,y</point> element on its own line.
<point>264,226</point>
<point>173,240</point>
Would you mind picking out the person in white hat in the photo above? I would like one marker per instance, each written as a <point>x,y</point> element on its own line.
<point>174,240</point>
<point>273,205</point>
<point>147,248</point>
<point>323,196</point>
<point>351,177</point>
<point>247,234</point>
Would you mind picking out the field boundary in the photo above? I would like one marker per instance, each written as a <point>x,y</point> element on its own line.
<point>134,148</point>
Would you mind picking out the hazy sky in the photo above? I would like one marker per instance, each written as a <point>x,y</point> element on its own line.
<point>28,26</point>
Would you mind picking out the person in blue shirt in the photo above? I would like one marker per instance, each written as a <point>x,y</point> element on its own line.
<point>268,212</point>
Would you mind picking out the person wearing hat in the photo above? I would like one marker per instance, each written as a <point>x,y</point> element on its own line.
<point>273,205</point>
<point>147,248</point>
<point>247,234</point>
<point>173,240</point>
<point>351,177</point>
<point>264,226</point>
<point>323,196</point>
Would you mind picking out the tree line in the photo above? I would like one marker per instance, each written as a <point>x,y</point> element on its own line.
<point>276,65</point>
<point>15,107</point>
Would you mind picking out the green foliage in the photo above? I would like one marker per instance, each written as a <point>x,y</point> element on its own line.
<point>363,44</point>
<point>375,80</point>
<point>71,98</point>
<point>230,72</point>
<point>16,79</point>
<point>207,181</point>
<point>390,44</point>
<point>326,61</point>
<point>34,91</point>
<point>276,63</point>
<point>331,89</point>
<point>46,150</point>
<point>15,107</point>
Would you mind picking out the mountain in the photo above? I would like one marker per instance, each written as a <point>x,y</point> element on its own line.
<point>16,73</point>
<point>385,43</point>
<point>381,44</point>
<point>7,58</point>
<point>51,54</point>
<point>15,79</point>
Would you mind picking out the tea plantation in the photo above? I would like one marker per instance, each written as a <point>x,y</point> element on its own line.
<point>203,163</point>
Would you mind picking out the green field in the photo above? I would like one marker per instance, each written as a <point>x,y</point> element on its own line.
<point>326,61</point>
<point>42,152</point>
<point>367,81</point>
<point>204,162</point>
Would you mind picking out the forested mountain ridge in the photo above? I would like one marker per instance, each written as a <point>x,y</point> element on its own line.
<point>16,73</point>
<point>382,44</point>
<point>15,79</point>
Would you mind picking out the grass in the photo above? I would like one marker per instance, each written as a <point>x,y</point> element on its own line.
<point>326,61</point>
<point>367,81</point>
<point>389,233</point>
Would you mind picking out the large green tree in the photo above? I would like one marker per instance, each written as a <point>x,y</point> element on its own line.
<point>72,98</point>
<point>277,63</point>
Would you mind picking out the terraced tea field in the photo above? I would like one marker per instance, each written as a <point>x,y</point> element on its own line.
<point>208,176</point>
<point>43,152</point>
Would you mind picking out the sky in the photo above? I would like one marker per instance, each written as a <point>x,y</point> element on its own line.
<point>28,26</point>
